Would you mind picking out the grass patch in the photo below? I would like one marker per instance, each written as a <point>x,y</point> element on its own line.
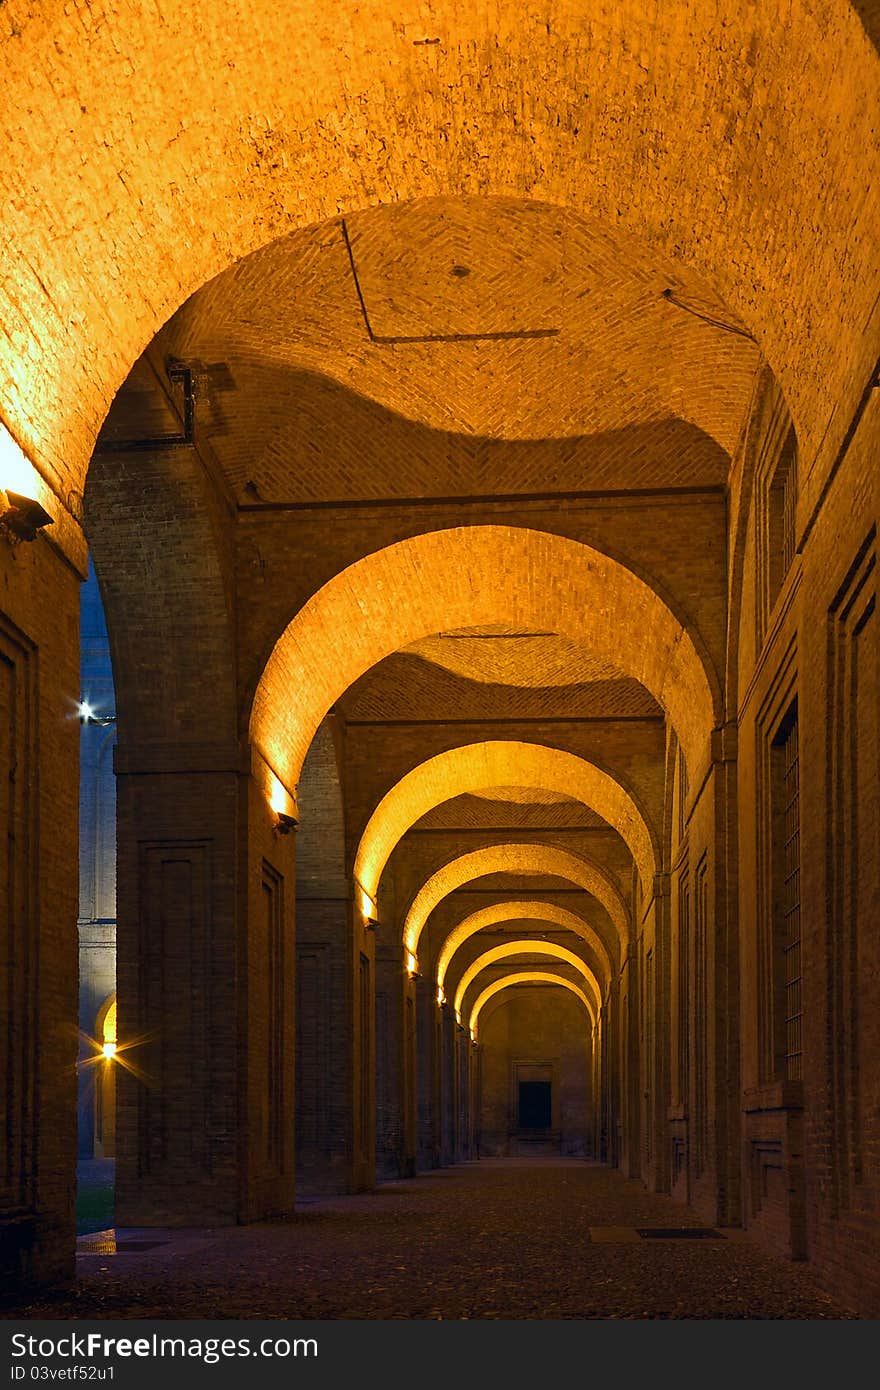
<point>94,1207</point>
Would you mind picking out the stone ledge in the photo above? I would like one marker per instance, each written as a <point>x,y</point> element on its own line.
<point>775,1095</point>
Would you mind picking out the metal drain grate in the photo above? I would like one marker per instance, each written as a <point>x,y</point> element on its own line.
<point>101,1243</point>
<point>105,1243</point>
<point>678,1233</point>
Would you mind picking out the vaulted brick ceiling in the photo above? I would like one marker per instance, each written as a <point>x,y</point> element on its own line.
<point>505,657</point>
<point>561,298</point>
<point>514,808</point>
<point>708,129</point>
<point>454,346</point>
<point>407,686</point>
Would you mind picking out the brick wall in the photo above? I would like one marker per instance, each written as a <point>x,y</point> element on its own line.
<point>39,691</point>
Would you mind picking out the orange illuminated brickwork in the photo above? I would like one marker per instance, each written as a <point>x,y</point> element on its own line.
<point>488,765</point>
<point>526,948</point>
<point>524,977</point>
<point>536,912</point>
<point>468,411</point>
<point>514,859</point>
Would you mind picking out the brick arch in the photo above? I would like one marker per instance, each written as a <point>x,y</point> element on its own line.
<point>272,116</point>
<point>500,763</point>
<point>525,946</point>
<point>106,1020</point>
<point>525,910</point>
<point>515,858</point>
<point>320,838</point>
<point>168,603</point>
<point>477,575</point>
<point>525,977</point>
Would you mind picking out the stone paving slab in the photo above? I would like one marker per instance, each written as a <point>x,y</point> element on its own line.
<point>614,1235</point>
<point>502,1239</point>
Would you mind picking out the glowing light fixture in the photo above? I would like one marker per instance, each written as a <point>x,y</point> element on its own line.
<point>108,1047</point>
<point>88,716</point>
<point>16,470</point>
<point>368,911</point>
<point>278,798</point>
<point>441,997</point>
<point>281,803</point>
<point>412,965</point>
<point>21,515</point>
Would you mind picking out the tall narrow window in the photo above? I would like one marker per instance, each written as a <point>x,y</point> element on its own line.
<point>366,1059</point>
<point>776,495</point>
<point>701,1016</point>
<point>684,932</point>
<point>787,899</point>
<point>682,795</point>
<point>781,505</point>
<point>649,1054</point>
<point>273,904</point>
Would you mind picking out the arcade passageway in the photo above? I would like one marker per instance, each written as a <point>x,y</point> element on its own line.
<point>503,1238</point>
<point>438,646</point>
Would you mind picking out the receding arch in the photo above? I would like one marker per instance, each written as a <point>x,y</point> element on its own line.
<point>515,858</point>
<point>475,766</point>
<point>524,977</point>
<point>521,948</point>
<point>105,1043</point>
<point>478,575</point>
<point>514,911</point>
<point>106,1021</point>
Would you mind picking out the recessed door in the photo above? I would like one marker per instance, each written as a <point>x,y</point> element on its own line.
<point>534,1105</point>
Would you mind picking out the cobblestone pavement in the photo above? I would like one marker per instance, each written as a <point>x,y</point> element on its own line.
<point>494,1239</point>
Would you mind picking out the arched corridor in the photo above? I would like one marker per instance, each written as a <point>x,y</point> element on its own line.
<point>470,422</point>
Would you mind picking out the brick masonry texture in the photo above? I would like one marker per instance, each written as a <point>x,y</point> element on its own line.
<point>777,153</point>
<point>531,360</point>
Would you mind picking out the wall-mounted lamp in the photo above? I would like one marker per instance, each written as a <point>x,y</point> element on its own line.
<point>109,1051</point>
<point>371,923</point>
<point>88,716</point>
<point>441,996</point>
<point>412,965</point>
<point>285,823</point>
<point>23,517</point>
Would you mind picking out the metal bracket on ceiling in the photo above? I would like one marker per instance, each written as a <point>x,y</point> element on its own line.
<point>183,439</point>
<point>669,296</point>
